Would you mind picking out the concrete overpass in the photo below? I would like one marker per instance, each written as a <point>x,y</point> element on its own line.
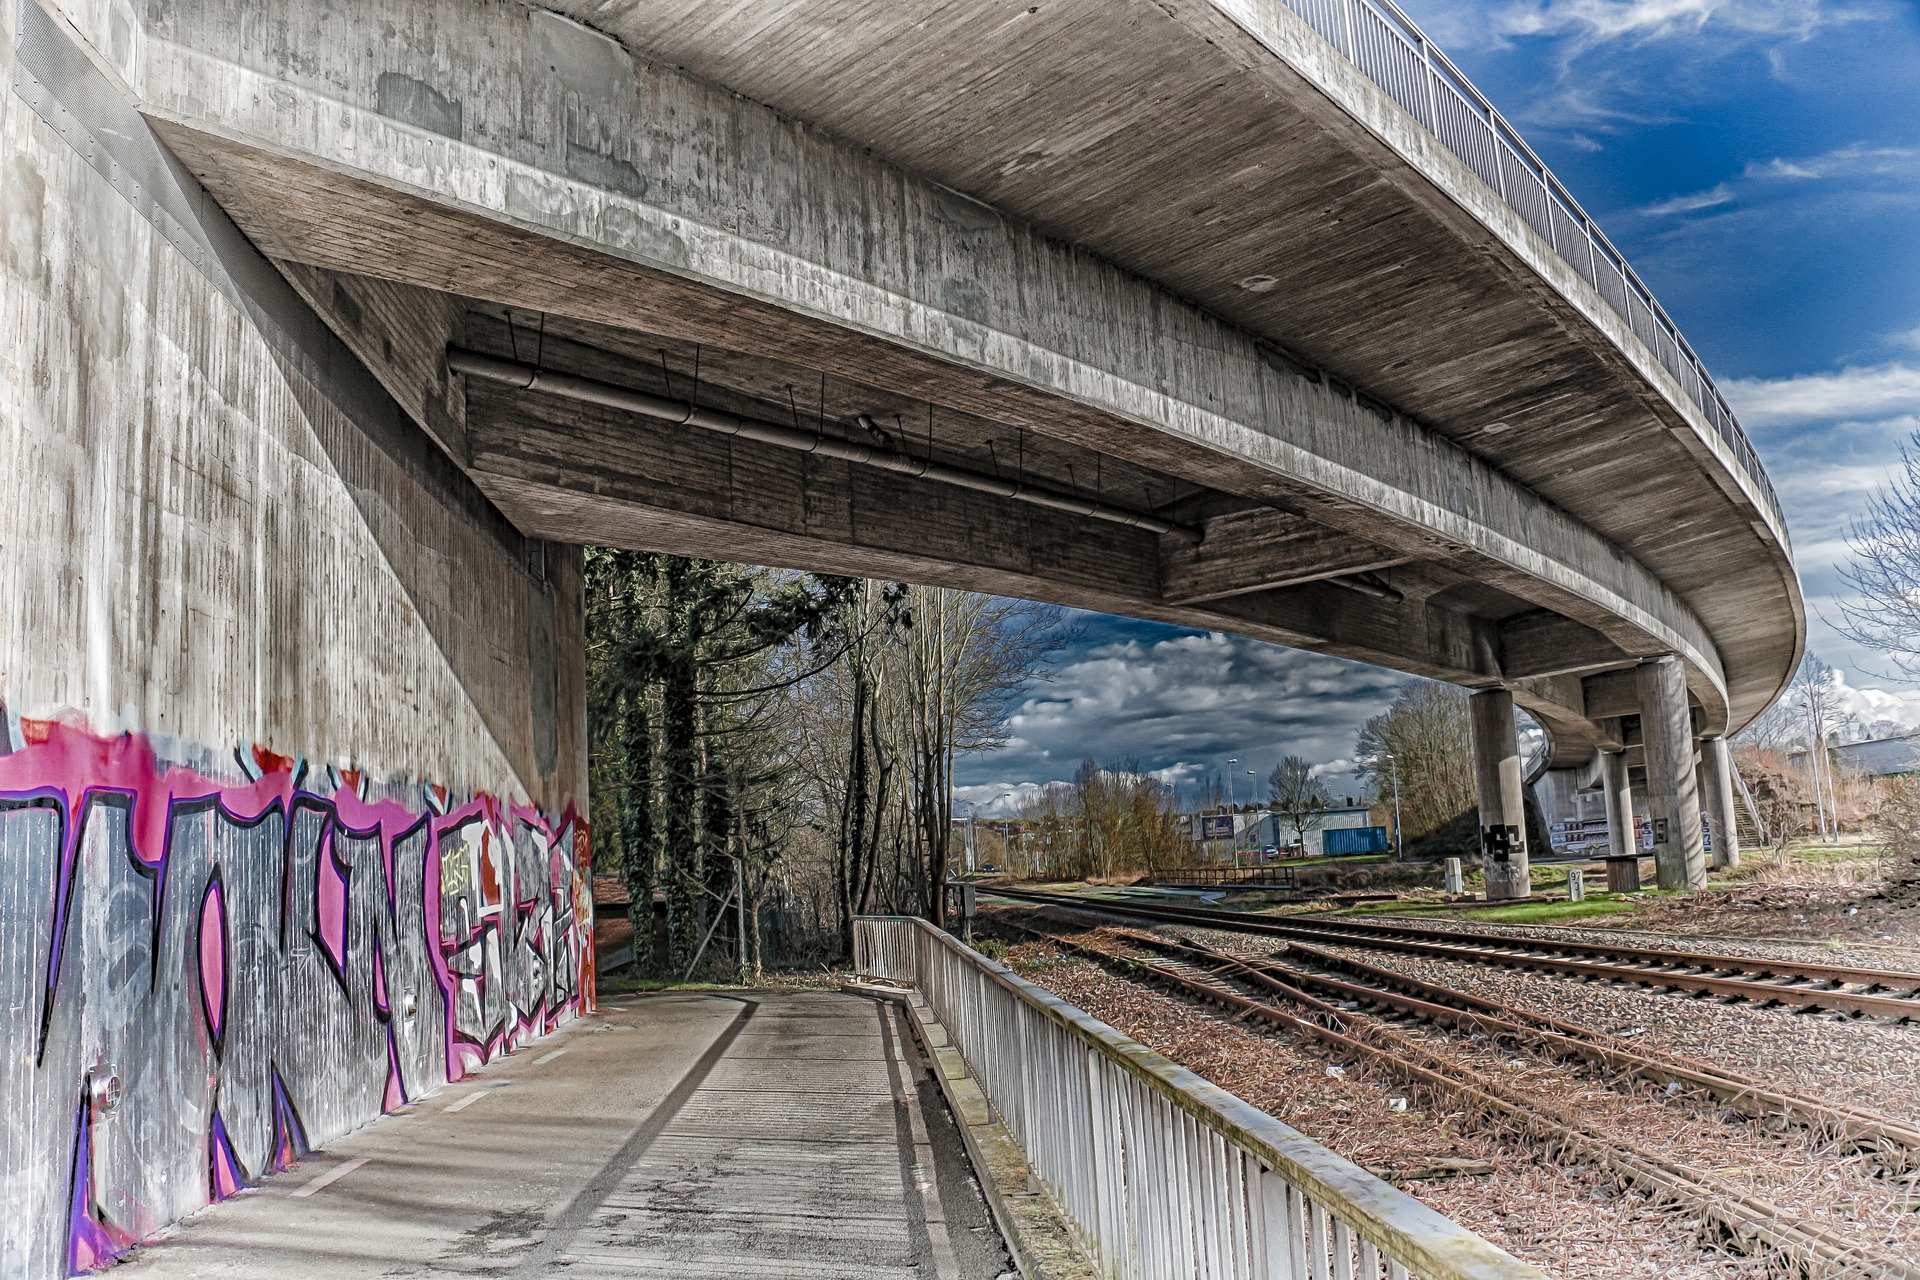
<point>330,328</point>
<point>1323,314</point>
<point>1380,387</point>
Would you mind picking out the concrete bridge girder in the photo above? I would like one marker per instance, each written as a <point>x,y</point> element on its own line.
<point>470,169</point>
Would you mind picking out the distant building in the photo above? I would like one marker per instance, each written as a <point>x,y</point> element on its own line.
<point>1263,829</point>
<point>1877,758</point>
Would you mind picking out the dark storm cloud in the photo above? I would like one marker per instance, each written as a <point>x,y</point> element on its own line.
<point>1179,703</point>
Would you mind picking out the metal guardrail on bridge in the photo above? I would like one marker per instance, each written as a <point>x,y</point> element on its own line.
<point>1391,50</point>
<point>1161,1173</point>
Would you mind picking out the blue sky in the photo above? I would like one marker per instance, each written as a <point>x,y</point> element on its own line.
<point>1759,162</point>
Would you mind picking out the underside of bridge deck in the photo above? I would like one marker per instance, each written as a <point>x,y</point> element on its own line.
<point>1512,497</point>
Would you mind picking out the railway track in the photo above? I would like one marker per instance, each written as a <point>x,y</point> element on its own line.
<point>1283,997</point>
<point>1861,992</point>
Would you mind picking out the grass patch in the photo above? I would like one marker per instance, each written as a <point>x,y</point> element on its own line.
<point>1553,912</point>
<point>1828,854</point>
<point>626,983</point>
<point>1595,904</point>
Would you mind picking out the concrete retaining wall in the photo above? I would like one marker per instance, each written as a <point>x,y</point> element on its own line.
<point>290,817</point>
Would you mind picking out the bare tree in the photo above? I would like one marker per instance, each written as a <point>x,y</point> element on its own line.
<point>1882,613</point>
<point>1426,731</point>
<point>1297,794</point>
<point>1815,693</point>
<point>1778,728</point>
<point>1897,823</point>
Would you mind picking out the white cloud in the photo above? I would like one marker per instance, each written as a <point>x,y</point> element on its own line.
<point>1604,66</point>
<point>999,799</point>
<point>1599,21</point>
<point>1855,392</point>
<point>1871,703</point>
<point>1855,160</point>
<point>1711,198</point>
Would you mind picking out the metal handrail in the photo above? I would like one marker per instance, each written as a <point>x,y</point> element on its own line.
<point>1389,48</point>
<point>1161,1173</point>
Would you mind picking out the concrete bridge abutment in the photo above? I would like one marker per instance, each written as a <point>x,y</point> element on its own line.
<point>292,750</point>
<point>1716,791</point>
<point>1672,793</point>
<point>1499,782</point>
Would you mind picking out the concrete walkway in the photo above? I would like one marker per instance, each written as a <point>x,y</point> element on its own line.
<point>757,1134</point>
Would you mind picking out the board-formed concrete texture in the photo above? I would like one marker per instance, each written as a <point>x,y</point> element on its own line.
<point>1184,257</point>
<point>725,1135</point>
<point>292,764</point>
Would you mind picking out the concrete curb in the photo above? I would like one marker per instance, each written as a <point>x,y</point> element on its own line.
<point>1035,1230</point>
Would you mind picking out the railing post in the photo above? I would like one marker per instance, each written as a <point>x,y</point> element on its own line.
<point>1346,18</point>
<point>1500,149</point>
<point>1433,93</point>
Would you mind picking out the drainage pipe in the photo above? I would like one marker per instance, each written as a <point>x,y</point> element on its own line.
<point>528,377</point>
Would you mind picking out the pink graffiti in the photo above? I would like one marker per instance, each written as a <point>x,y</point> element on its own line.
<point>92,1242</point>
<point>213,960</point>
<point>63,768</point>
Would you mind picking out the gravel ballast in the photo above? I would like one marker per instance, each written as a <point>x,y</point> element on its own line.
<point>1570,1221</point>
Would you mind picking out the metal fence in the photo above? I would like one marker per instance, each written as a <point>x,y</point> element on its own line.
<point>1161,1173</point>
<point>1218,873</point>
<point>1387,46</point>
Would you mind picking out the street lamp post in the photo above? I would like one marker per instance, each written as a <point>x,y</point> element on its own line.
<point>971,806</point>
<point>1233,828</point>
<point>1250,777</point>
<point>1004,842</point>
<point>1399,844</point>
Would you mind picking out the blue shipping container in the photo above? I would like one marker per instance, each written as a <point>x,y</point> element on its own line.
<point>1342,841</point>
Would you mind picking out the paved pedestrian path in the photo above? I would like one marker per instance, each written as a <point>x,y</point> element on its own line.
<point>687,1135</point>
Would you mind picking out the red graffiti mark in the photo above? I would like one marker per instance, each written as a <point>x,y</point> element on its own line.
<point>271,761</point>
<point>489,874</point>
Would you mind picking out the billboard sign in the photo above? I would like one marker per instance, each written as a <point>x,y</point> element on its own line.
<point>1217,827</point>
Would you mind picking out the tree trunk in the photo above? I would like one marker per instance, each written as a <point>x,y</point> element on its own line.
<point>681,863</point>
<point>637,838</point>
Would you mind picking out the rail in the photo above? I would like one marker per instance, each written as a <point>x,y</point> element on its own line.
<point>1161,1173</point>
<point>1390,49</point>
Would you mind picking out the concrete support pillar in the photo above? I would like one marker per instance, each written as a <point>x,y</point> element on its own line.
<point>1716,796</point>
<point>1673,799</point>
<point>1503,815</point>
<point>1619,793</point>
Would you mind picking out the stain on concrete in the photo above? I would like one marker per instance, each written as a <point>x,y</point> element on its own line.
<point>345,307</point>
<point>584,164</point>
<point>23,231</point>
<point>419,104</point>
<point>965,297</point>
<point>962,212</point>
<point>543,676</point>
<point>647,237</point>
<point>493,1246</point>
